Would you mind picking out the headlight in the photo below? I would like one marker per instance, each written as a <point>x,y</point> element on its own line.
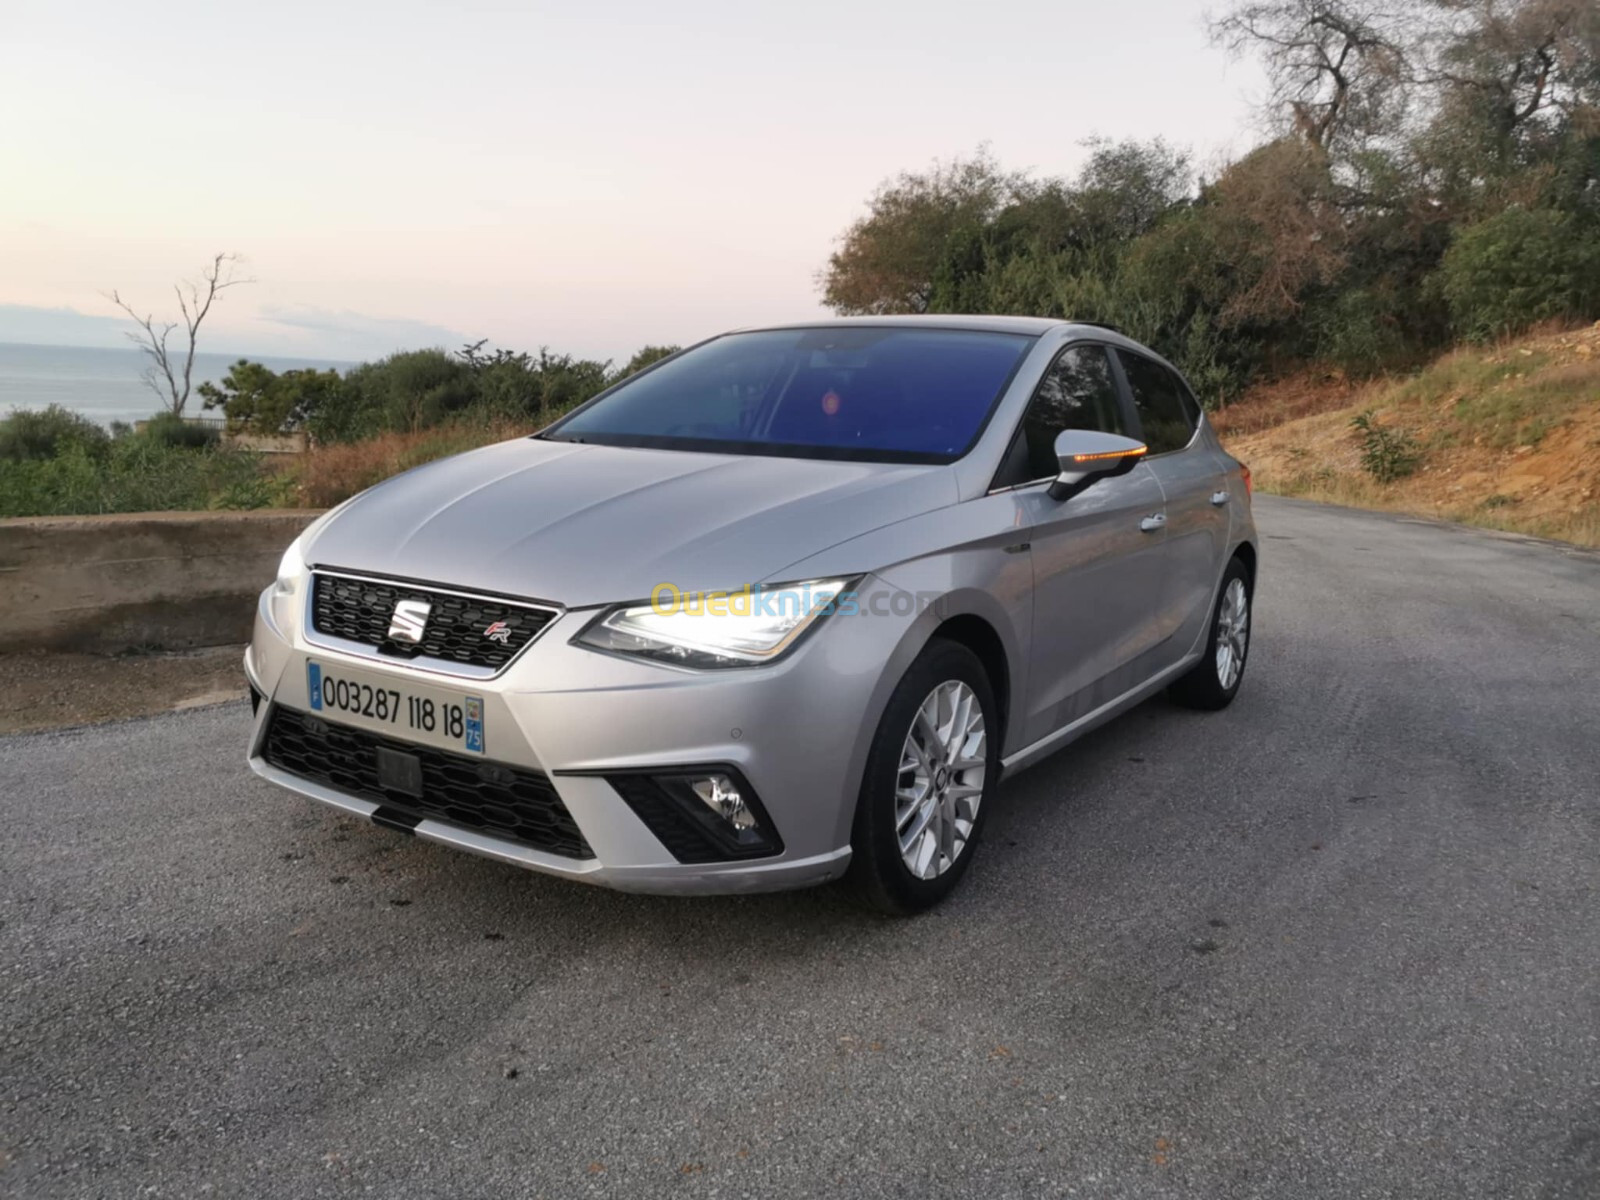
<point>292,569</point>
<point>716,629</point>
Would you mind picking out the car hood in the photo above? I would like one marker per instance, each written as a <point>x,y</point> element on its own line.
<point>582,524</point>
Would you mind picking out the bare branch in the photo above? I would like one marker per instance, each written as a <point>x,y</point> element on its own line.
<point>153,344</point>
<point>1335,67</point>
<point>162,377</point>
<point>1523,60</point>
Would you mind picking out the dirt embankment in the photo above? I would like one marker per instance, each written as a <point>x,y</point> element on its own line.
<point>1506,437</point>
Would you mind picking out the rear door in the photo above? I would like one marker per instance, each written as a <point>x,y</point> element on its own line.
<point>1191,479</point>
<point>1097,558</point>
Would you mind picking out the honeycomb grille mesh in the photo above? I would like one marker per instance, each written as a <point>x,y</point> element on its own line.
<point>513,803</point>
<point>457,631</point>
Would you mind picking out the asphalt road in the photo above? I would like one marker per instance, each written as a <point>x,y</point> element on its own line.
<point>1340,940</point>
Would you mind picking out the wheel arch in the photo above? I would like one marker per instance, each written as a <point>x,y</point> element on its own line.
<point>977,635</point>
<point>970,617</point>
<point>1245,552</point>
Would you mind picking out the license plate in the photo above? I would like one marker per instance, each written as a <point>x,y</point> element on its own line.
<point>449,720</point>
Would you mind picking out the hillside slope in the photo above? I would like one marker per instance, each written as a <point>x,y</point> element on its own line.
<point>1506,437</point>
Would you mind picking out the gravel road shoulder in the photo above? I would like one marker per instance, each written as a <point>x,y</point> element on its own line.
<point>47,691</point>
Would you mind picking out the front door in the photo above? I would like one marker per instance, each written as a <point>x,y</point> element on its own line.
<point>1096,557</point>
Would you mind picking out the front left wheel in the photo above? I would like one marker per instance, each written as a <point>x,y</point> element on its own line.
<point>934,762</point>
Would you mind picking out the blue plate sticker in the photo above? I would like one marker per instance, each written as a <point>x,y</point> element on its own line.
<point>314,685</point>
<point>474,740</point>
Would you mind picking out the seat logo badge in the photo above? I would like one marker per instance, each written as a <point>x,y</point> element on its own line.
<point>499,632</point>
<point>409,620</point>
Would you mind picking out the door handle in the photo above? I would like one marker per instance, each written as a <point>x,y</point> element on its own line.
<point>1153,522</point>
<point>1219,498</point>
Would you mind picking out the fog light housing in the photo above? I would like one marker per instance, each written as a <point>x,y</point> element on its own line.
<point>700,814</point>
<point>722,796</point>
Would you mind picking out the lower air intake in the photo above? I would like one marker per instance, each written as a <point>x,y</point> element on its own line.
<point>512,803</point>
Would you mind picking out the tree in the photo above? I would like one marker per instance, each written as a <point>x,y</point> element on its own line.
<point>256,399</point>
<point>514,385</point>
<point>646,356</point>
<point>170,370</point>
<point>1515,118</point>
<point>1527,62</point>
<point>1336,68</point>
<point>1280,228</point>
<point>889,260</point>
<point>969,237</point>
<point>1127,187</point>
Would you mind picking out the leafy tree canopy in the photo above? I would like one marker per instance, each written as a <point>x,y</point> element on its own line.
<point>1433,170</point>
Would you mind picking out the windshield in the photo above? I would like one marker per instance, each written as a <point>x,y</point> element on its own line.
<point>871,393</point>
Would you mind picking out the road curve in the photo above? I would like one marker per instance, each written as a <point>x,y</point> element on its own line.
<point>1342,939</point>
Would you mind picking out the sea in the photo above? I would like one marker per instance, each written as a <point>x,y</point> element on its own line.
<point>105,384</point>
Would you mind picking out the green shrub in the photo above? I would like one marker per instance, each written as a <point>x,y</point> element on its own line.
<point>137,474</point>
<point>646,356</point>
<point>167,430</point>
<point>409,390</point>
<point>240,483</point>
<point>1386,454</point>
<point>1518,268</point>
<point>1361,330</point>
<point>27,435</point>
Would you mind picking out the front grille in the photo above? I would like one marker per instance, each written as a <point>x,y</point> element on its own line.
<point>513,803</point>
<point>359,610</point>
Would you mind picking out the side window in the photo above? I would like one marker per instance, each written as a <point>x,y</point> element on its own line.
<point>1077,393</point>
<point>1191,405</point>
<point>1168,421</point>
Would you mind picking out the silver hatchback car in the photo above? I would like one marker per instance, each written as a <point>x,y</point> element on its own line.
<point>781,608</point>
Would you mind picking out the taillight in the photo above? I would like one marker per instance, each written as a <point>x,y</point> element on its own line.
<point>1249,489</point>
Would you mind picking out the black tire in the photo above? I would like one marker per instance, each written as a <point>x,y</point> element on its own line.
<point>878,873</point>
<point>1203,687</point>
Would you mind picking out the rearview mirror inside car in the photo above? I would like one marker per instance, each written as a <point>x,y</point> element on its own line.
<point>1086,455</point>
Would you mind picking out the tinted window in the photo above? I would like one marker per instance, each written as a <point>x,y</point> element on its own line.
<point>1191,406</point>
<point>1077,393</point>
<point>1165,417</point>
<point>874,393</point>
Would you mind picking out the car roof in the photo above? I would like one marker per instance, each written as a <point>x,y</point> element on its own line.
<point>1027,326</point>
<point>1032,326</point>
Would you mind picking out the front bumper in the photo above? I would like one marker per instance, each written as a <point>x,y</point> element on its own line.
<point>798,730</point>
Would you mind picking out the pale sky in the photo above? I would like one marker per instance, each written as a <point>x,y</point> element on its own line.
<point>592,177</point>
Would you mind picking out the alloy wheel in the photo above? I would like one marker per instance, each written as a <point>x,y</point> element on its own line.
<point>1233,632</point>
<point>940,782</point>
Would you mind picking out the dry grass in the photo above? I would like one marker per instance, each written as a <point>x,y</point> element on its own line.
<point>1306,393</point>
<point>329,474</point>
<point>1510,437</point>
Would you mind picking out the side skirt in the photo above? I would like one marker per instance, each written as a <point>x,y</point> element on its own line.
<point>1050,743</point>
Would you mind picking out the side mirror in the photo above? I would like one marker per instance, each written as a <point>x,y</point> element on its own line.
<point>1086,455</point>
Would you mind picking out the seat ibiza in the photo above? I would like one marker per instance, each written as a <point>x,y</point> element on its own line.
<point>781,608</point>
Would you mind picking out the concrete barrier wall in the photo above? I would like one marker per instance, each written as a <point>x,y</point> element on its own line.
<point>138,580</point>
